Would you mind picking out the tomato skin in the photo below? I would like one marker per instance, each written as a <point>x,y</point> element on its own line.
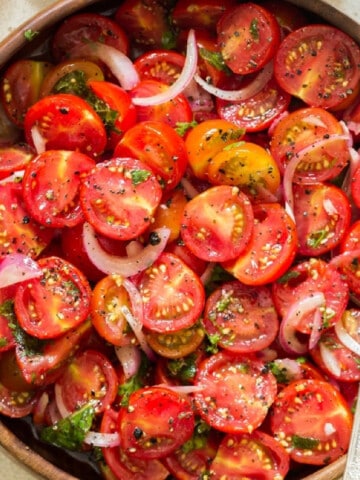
<point>20,87</point>
<point>155,413</point>
<point>51,187</point>
<point>172,293</point>
<point>221,402</point>
<point>119,197</point>
<point>327,50</point>
<point>66,121</point>
<point>320,229</point>
<point>248,35</point>
<point>160,64</point>
<point>308,406</point>
<point>218,223</point>
<point>159,146</point>
<point>58,301</point>
<point>119,100</point>
<point>14,158</point>
<point>201,14</point>
<point>244,318</point>
<point>81,28</point>
<point>272,247</point>
<point>169,213</point>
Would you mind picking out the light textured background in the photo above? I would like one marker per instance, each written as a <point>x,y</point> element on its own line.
<point>13,14</point>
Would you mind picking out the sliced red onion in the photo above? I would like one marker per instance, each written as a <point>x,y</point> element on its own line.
<point>345,337</point>
<point>181,82</point>
<point>17,267</point>
<point>354,164</point>
<point>59,399</point>
<point>182,389</point>
<point>130,358</point>
<point>261,79</point>
<point>125,266</point>
<point>330,361</point>
<point>136,327</point>
<point>200,100</point>
<point>314,120</point>
<point>103,440</point>
<point>288,327</point>
<point>134,248</point>
<point>38,140</point>
<point>189,189</point>
<point>329,207</point>
<point>291,366</point>
<point>120,64</point>
<point>316,329</point>
<point>354,127</point>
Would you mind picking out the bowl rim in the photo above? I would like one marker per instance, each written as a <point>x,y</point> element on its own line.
<point>329,10</point>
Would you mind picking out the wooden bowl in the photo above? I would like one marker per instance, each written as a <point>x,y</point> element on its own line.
<point>16,436</point>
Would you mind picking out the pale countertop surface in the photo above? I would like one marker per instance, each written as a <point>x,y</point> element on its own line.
<point>17,12</point>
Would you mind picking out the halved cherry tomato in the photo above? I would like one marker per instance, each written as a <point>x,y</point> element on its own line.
<point>125,466</point>
<point>243,318</point>
<point>7,314</point>
<point>271,249</point>
<point>179,249</point>
<point>236,393</point>
<point>318,64</point>
<point>322,216</point>
<point>289,16</point>
<point>54,303</point>
<point>16,404</point>
<point>109,295</point>
<point>172,112</point>
<point>119,197</point>
<point>311,420</point>
<point>249,36</point>
<point>19,232</point>
<point>256,112</point>
<point>58,73</point>
<point>355,187</point>
<point>156,422</point>
<point>349,266</point>
<point>201,14</point>
<point>20,87</point>
<point>119,101</point>
<point>14,158</point>
<point>162,65</point>
<point>169,213</point>
<point>159,146</point>
<point>218,223</point>
<point>206,140</point>
<point>51,187</point>
<point>88,377</point>
<point>306,132</point>
<point>146,23</point>
<point>177,344</point>
<point>306,278</point>
<point>250,455</point>
<point>87,27</point>
<point>172,293</point>
<point>247,166</point>
<point>65,121</point>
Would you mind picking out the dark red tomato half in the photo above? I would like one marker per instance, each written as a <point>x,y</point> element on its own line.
<point>322,216</point>
<point>58,301</point>
<point>320,65</point>
<point>16,404</point>
<point>119,197</point>
<point>218,223</point>
<point>51,187</point>
<point>159,146</point>
<point>170,112</point>
<point>119,101</point>
<point>125,466</point>
<point>248,35</point>
<point>83,28</point>
<point>236,392</point>
<point>67,122</point>
<point>306,278</point>
<point>88,377</point>
<point>156,422</point>
<point>19,232</point>
<point>243,318</point>
<point>172,293</point>
<point>311,418</point>
<point>250,455</point>
<point>162,65</point>
<point>14,158</point>
<point>271,249</point>
<point>20,87</point>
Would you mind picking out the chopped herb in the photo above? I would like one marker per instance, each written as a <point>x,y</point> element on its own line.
<point>183,368</point>
<point>281,373</point>
<point>135,382</point>
<point>169,40</point>
<point>290,275</point>
<point>213,340</point>
<point>317,238</point>
<point>254,29</point>
<point>304,443</point>
<point>3,342</point>
<point>139,176</point>
<point>199,437</point>
<point>182,127</point>
<point>215,59</point>
<point>233,145</point>
<point>30,34</point>
<point>70,432</point>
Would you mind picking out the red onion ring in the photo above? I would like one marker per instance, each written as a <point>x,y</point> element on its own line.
<point>136,327</point>
<point>59,399</point>
<point>345,337</point>
<point>38,140</point>
<point>287,333</point>
<point>130,358</point>
<point>125,266</point>
<point>261,79</point>
<point>181,82</point>
<point>17,267</point>
<point>120,64</point>
<point>329,359</point>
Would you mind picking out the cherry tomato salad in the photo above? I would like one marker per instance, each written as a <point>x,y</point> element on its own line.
<point>180,239</point>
